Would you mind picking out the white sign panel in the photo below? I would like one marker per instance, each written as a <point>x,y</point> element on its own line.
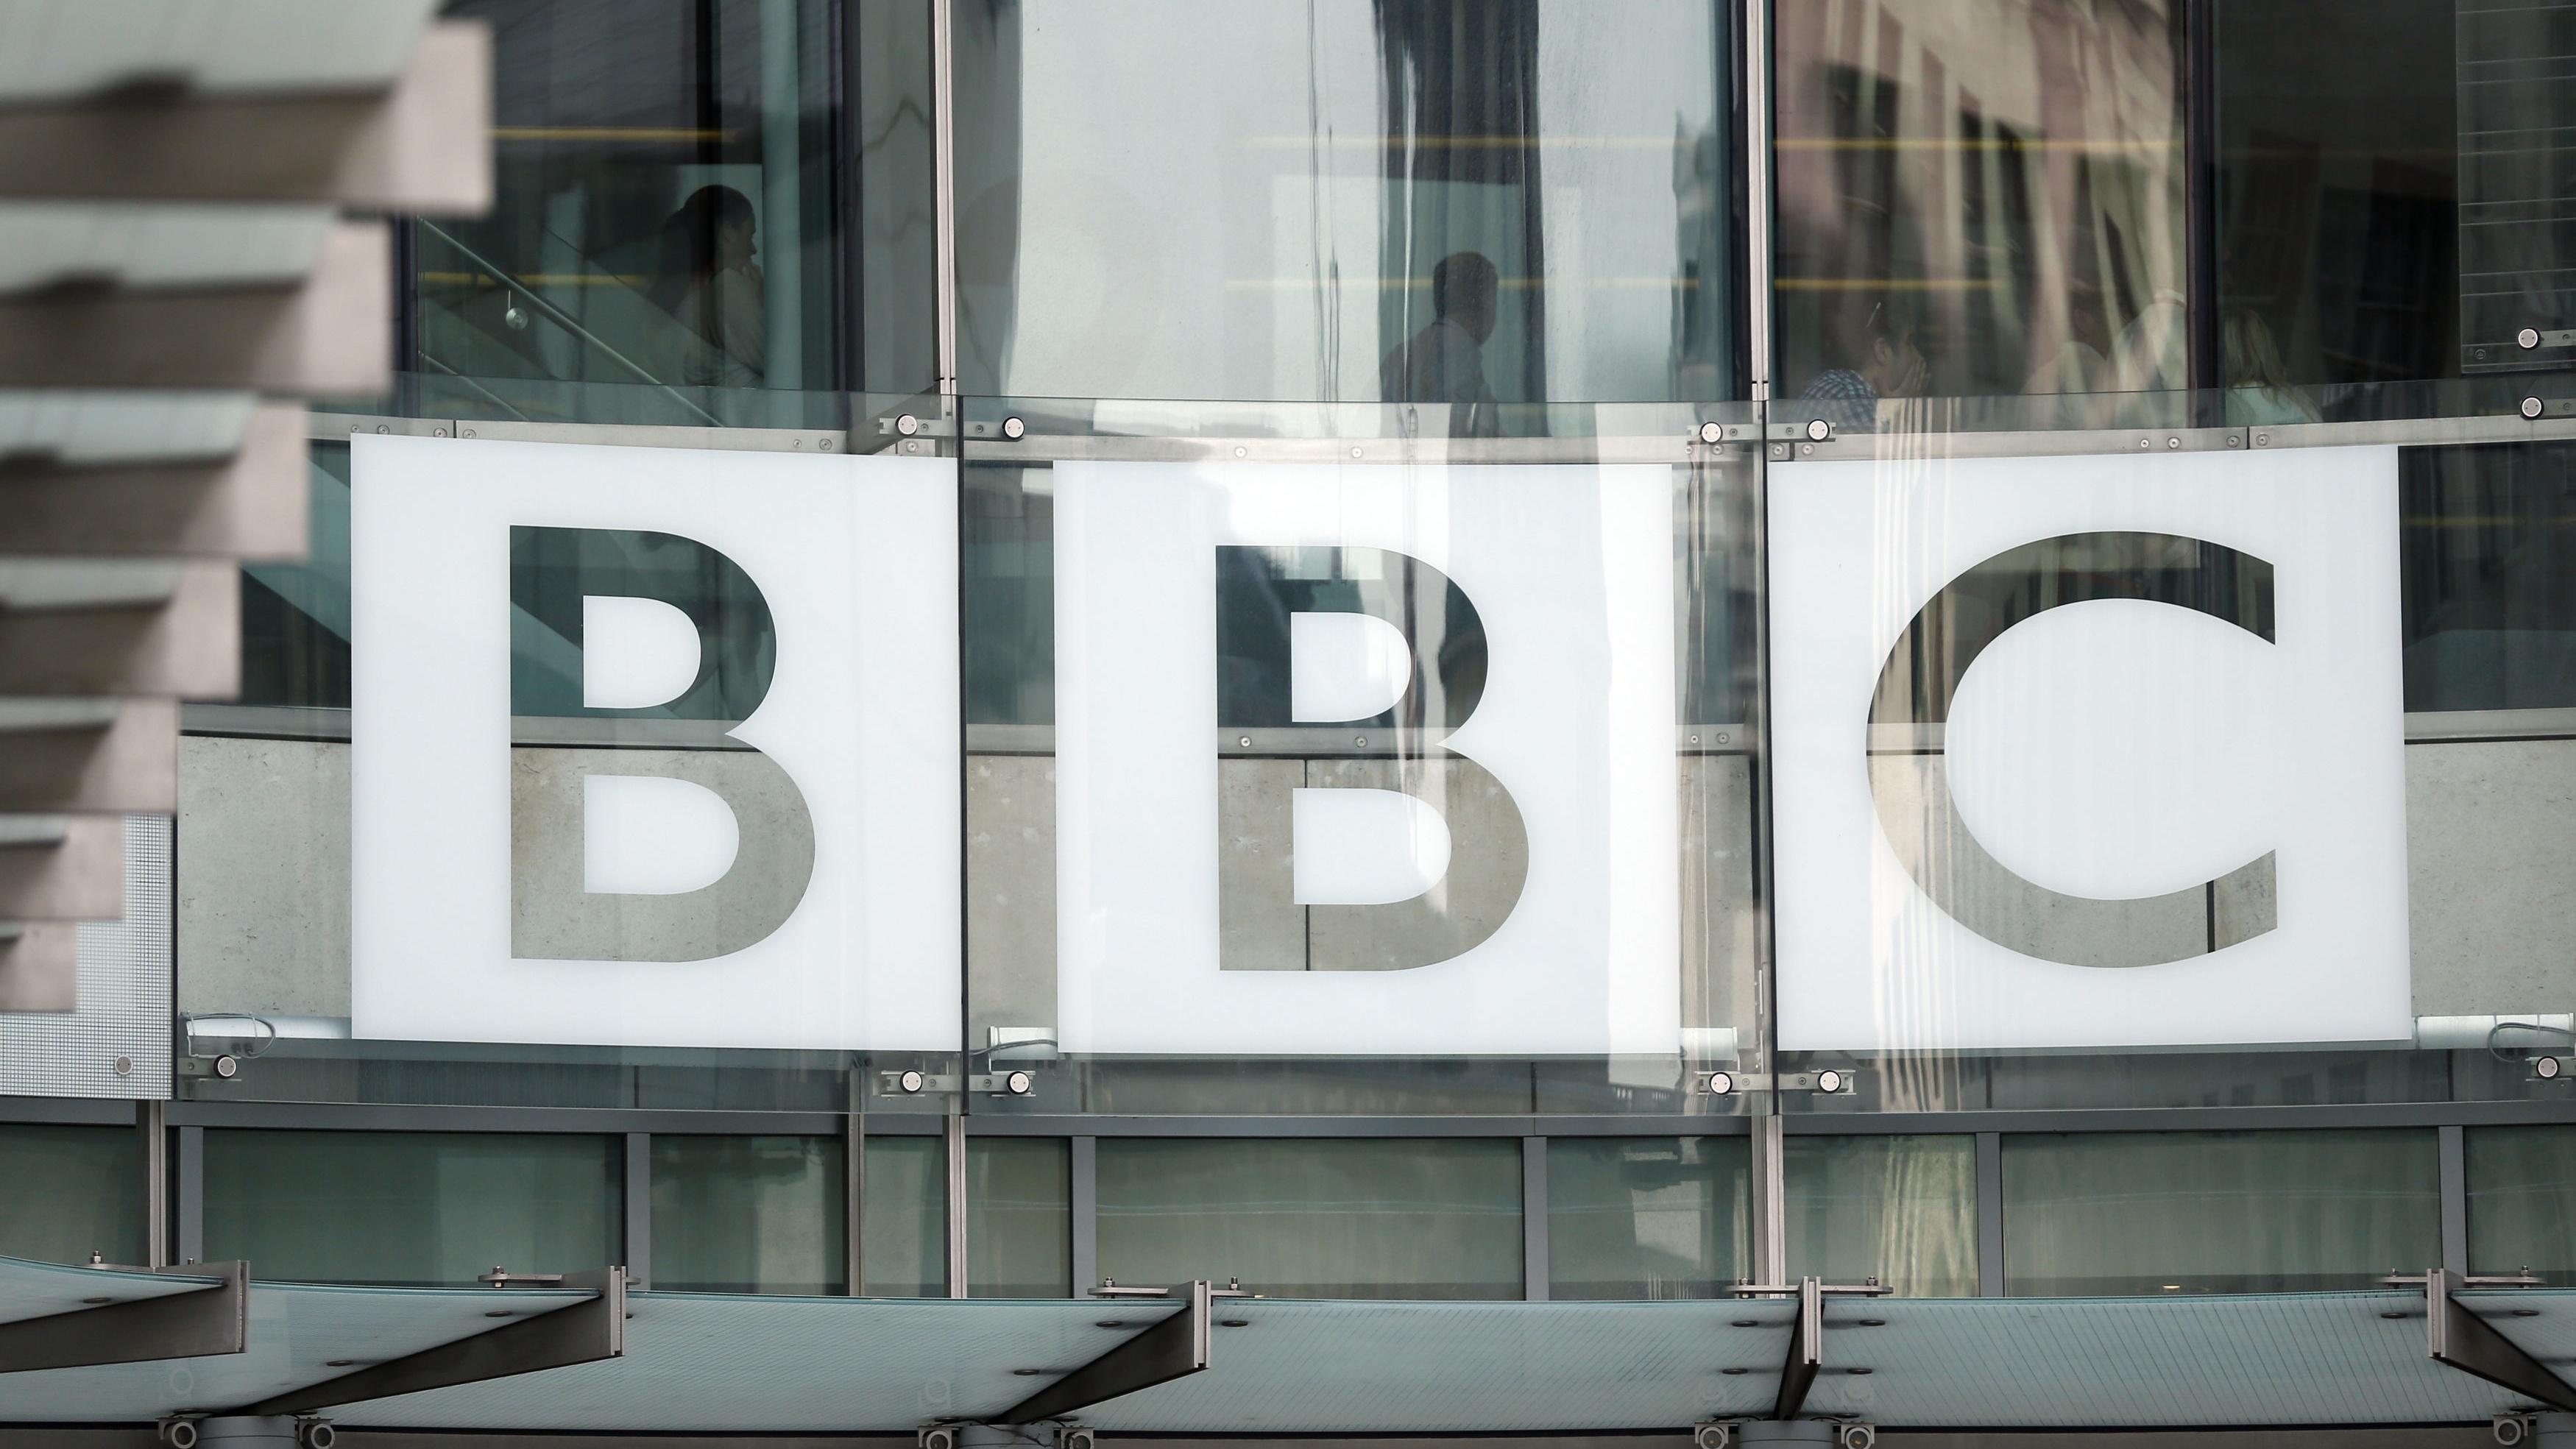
<point>1505,883</point>
<point>769,854</point>
<point>2089,751</point>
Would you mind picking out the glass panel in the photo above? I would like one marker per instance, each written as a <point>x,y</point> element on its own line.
<point>1315,1218</point>
<point>2218,1212</point>
<point>1647,1217</point>
<point>1274,601</point>
<point>747,1214</point>
<point>2516,239</point>
<point>1466,207</point>
<point>1019,1217</point>
<point>1978,198</point>
<point>1899,1210</point>
<point>668,228</point>
<point>2339,135</point>
<point>411,1208</point>
<point>905,1224</point>
<point>2522,1201</point>
<point>68,1192</point>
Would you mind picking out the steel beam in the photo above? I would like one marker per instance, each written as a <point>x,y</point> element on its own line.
<point>2458,1337</point>
<point>583,1332</point>
<point>197,1324</point>
<point>1806,1350</point>
<point>1174,1348</point>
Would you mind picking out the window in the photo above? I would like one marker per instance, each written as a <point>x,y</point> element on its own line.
<point>67,1192</point>
<point>1647,1217</point>
<point>1898,1209</point>
<point>748,1214</point>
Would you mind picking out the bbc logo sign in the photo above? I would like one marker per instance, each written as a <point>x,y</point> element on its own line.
<point>662,747</point>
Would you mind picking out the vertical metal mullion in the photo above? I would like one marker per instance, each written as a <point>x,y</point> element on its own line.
<point>188,1175</point>
<point>943,113</point>
<point>151,1127</point>
<point>2455,1199</point>
<point>2200,204</point>
<point>1770,1200</point>
<point>1757,198</point>
<point>639,1209</point>
<point>1085,1191</point>
<point>1534,1269</point>
<point>854,1186</point>
<point>1990,1215</point>
<point>954,1134</point>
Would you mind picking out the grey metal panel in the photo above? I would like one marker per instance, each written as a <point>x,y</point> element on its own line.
<point>209,1319</point>
<point>423,145</point>
<point>251,504</point>
<point>1084,1155</point>
<point>397,1117</point>
<point>639,1208</point>
<point>123,1011</point>
<point>549,1336</point>
<point>1074,1125</point>
<point>1677,448</point>
<point>1990,1215</point>
<point>70,1111</point>
<point>2188,1119</point>
<point>331,333</point>
<point>2455,1198</point>
<point>1534,1265</point>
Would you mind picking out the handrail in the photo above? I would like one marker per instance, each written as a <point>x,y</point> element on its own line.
<point>561,319</point>
<point>494,398</point>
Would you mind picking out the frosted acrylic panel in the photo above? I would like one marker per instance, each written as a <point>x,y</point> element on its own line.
<point>2522,1200</point>
<point>2170,812</point>
<point>419,1208</point>
<point>1901,1209</point>
<point>1647,1217</point>
<point>1540,730</point>
<point>2217,1212</point>
<point>1019,1217</point>
<point>906,1218</point>
<point>747,1214</point>
<point>68,1192</point>
<point>1315,1217</point>
<point>481,911</point>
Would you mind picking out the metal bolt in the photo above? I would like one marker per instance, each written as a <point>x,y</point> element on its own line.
<point>1360,740</point>
<point>1711,432</point>
<point>438,432</point>
<point>907,425</point>
<point>2529,338</point>
<point>1721,737</point>
<point>1721,1084</point>
<point>469,432</point>
<point>1818,430</point>
<point>1245,741</point>
<point>2533,407</point>
<point>2547,1068</point>
<point>384,427</point>
<point>227,1068</point>
<point>910,1081</point>
<point>826,444</point>
<point>2262,440</point>
<point>1014,429</point>
<point>2173,442</point>
<point>2146,442</point>
<point>1239,450</point>
<point>1020,1084</point>
<point>1806,447</point>
<point>1830,1081</point>
<point>125,1066</point>
<point>1694,739</point>
<point>1355,452</point>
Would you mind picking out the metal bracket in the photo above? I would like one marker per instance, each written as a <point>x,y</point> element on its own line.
<point>1806,1351</point>
<point>915,1084</point>
<point>1831,1081</point>
<point>583,1332</point>
<point>198,1324</point>
<point>2455,1336</point>
<point>1171,1349</point>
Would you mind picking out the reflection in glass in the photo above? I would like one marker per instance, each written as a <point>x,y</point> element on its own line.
<point>1019,1217</point>
<point>411,1208</point>
<point>1978,198</point>
<point>1900,1210</point>
<point>2522,1201</point>
<point>1468,207</point>
<point>1647,1217</point>
<point>1316,1217</point>
<point>904,1224</point>
<point>2217,1212</point>
<point>2338,136</point>
<point>2489,572</point>
<point>68,1192</point>
<point>667,223</point>
<point>747,1214</point>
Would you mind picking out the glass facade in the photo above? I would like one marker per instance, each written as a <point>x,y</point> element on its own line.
<point>1446,754</point>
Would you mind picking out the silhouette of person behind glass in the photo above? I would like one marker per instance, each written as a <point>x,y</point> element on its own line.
<point>711,284</point>
<point>1445,361</point>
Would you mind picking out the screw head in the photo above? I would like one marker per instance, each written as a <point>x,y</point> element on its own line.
<point>907,425</point>
<point>2173,442</point>
<point>1014,429</point>
<point>226,1067</point>
<point>1830,1080</point>
<point>1721,1083</point>
<point>1818,430</point>
<point>1240,450</point>
<point>2533,407</point>
<point>826,444</point>
<point>1020,1084</point>
<point>2548,1068</point>
<point>2528,338</point>
<point>125,1066</point>
<point>911,1081</point>
<point>1711,432</point>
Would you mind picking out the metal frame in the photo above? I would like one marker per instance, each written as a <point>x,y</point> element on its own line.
<point>205,1322</point>
<point>1175,1347</point>
<point>2457,1337</point>
<point>577,1333</point>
